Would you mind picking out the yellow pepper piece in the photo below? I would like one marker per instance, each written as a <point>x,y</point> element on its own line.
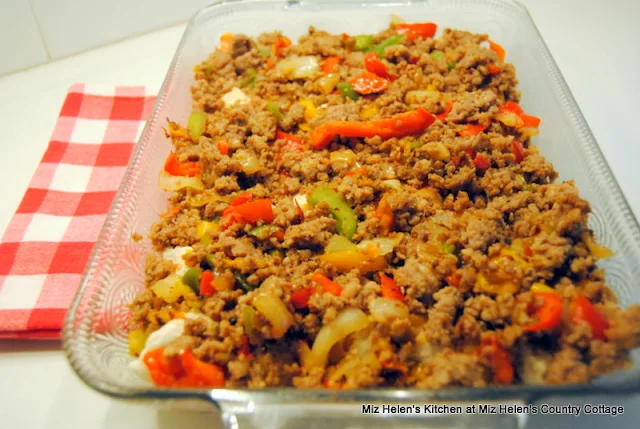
<point>541,287</point>
<point>137,340</point>
<point>346,260</point>
<point>369,112</point>
<point>483,285</point>
<point>310,110</point>
<point>176,131</point>
<point>305,127</point>
<point>203,228</point>
<point>431,87</point>
<point>597,250</point>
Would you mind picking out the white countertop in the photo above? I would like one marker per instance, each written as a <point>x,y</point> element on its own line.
<point>595,44</point>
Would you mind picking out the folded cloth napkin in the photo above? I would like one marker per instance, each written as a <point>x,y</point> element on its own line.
<point>47,244</point>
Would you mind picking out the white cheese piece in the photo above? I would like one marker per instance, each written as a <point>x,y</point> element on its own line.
<point>175,255</point>
<point>235,96</point>
<point>160,338</point>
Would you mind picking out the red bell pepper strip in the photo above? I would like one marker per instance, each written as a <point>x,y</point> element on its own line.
<point>206,284</point>
<point>447,109</point>
<point>481,162</point>
<point>499,360</point>
<point>583,311</point>
<point>494,69</point>
<point>413,31</point>
<point>185,370</point>
<point>175,168</point>
<point>300,298</point>
<point>256,210</point>
<point>369,83</point>
<point>327,284</point>
<point>164,371</point>
<point>518,150</point>
<point>242,209</point>
<point>244,197</point>
<point>530,121</point>
<point>329,64</point>
<point>497,49</point>
<point>472,130</point>
<point>453,279</point>
<point>281,43</point>
<point>199,373</point>
<point>292,142</point>
<point>549,314</point>
<point>404,124</point>
<point>356,171</point>
<point>385,216</point>
<point>374,65</point>
<point>390,288</point>
<point>223,146</point>
<point>245,347</point>
<point>511,107</point>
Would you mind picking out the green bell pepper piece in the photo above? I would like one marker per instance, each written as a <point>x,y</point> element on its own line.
<point>363,42</point>
<point>449,249</point>
<point>275,110</point>
<point>265,52</point>
<point>347,90</point>
<point>452,65</point>
<point>248,319</point>
<point>242,281</point>
<point>393,40</point>
<point>346,219</point>
<point>249,79</point>
<point>264,231</point>
<point>192,279</point>
<point>437,55</point>
<point>196,125</point>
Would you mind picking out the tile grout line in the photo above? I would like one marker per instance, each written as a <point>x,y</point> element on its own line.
<point>40,32</point>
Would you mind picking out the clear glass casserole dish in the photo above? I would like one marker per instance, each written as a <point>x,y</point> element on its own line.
<point>95,331</point>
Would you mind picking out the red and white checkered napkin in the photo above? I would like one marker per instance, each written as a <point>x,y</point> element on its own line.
<point>47,244</point>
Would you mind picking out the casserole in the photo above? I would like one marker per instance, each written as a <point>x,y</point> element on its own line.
<point>95,330</point>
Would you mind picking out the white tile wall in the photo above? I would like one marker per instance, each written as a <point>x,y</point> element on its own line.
<point>20,42</point>
<point>71,26</point>
<point>35,31</point>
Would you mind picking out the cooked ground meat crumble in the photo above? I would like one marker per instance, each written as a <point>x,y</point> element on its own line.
<point>370,211</point>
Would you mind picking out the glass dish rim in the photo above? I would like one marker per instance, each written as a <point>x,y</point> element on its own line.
<point>289,395</point>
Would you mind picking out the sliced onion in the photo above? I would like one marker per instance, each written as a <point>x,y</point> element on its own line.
<point>533,367</point>
<point>510,119</point>
<point>387,171</point>
<point>421,96</point>
<point>530,131</point>
<point>274,310</point>
<point>168,182</point>
<point>383,246</point>
<point>248,160</point>
<point>298,67</point>
<point>392,184</point>
<point>427,351</point>
<point>342,159</point>
<point>348,321</point>
<point>385,310</point>
<point>302,204</point>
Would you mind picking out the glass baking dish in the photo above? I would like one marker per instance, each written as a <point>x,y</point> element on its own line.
<point>95,336</point>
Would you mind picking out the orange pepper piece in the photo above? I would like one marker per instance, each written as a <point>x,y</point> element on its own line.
<point>327,284</point>
<point>404,124</point>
